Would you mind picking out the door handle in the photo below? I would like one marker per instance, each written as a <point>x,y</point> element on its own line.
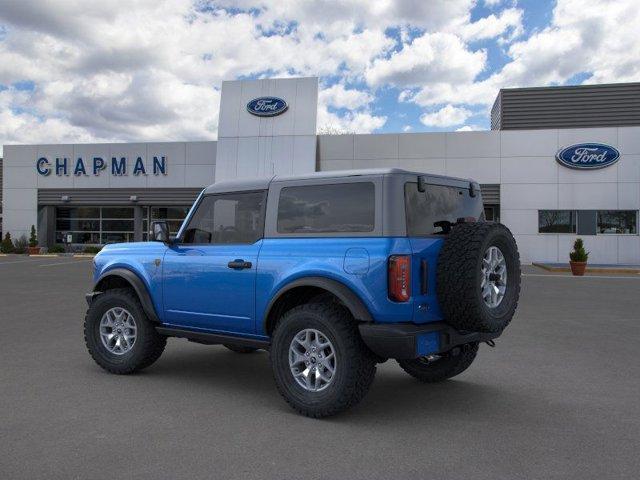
<point>239,264</point>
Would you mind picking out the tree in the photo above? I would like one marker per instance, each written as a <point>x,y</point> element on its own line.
<point>33,237</point>
<point>7,245</point>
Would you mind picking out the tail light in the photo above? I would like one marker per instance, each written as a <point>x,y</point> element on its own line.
<point>399,278</point>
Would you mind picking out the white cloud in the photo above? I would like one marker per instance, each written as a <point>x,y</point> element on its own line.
<point>469,128</point>
<point>596,38</point>
<point>359,122</point>
<point>340,97</point>
<point>447,116</point>
<point>357,119</point>
<point>508,22</point>
<point>151,71</point>
<point>433,57</point>
<point>407,128</point>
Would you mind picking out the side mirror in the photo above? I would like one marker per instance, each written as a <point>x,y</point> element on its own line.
<point>160,232</point>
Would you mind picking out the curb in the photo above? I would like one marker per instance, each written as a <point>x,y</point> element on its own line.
<point>589,269</point>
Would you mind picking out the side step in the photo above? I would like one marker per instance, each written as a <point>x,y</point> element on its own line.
<point>213,338</point>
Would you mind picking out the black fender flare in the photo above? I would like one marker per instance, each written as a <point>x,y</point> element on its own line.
<point>138,286</point>
<point>347,296</point>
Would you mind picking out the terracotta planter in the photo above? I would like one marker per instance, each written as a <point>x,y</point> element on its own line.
<point>578,268</point>
<point>33,250</point>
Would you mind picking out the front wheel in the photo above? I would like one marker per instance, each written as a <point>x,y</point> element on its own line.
<point>119,335</point>
<point>436,368</point>
<point>320,364</point>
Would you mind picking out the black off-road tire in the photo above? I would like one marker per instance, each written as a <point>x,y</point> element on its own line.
<point>355,364</point>
<point>148,346</point>
<point>240,348</point>
<point>459,277</point>
<point>449,364</point>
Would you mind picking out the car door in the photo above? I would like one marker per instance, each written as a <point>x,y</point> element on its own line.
<point>209,274</point>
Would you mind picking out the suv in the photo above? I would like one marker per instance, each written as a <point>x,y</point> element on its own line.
<point>330,272</point>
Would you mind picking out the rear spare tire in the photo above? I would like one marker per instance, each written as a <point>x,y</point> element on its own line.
<point>478,277</point>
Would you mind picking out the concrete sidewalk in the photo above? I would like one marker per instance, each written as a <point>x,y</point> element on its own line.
<point>595,268</point>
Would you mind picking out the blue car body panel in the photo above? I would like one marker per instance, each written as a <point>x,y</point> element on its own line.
<point>140,258</point>
<point>192,286</point>
<point>200,290</point>
<point>283,261</point>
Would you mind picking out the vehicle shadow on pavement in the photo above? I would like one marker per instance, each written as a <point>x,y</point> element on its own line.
<point>213,369</point>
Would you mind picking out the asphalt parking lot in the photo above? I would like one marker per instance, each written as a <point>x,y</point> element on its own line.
<point>559,397</point>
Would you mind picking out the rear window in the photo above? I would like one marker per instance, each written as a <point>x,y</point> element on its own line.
<point>337,208</point>
<point>436,204</point>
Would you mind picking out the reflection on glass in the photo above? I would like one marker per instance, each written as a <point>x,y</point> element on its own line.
<point>346,207</point>
<point>556,221</point>
<point>236,218</point>
<point>618,221</point>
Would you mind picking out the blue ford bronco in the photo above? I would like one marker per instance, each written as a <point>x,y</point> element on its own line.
<point>330,272</point>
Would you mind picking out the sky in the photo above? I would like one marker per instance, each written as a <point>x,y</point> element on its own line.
<point>77,71</point>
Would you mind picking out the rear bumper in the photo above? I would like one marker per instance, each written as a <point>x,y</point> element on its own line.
<point>408,340</point>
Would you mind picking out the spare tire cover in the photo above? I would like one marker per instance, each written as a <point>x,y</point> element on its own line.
<point>478,277</point>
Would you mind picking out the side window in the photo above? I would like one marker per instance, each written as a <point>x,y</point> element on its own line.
<point>337,208</point>
<point>232,218</point>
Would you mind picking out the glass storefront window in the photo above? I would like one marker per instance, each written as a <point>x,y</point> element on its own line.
<point>94,225</point>
<point>556,221</point>
<point>78,212</point>
<point>618,221</point>
<point>174,216</point>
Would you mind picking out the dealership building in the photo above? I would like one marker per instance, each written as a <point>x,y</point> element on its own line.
<point>559,162</point>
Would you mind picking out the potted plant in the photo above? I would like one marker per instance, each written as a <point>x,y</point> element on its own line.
<point>33,249</point>
<point>578,258</point>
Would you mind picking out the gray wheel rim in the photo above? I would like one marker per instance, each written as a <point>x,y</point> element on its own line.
<point>312,360</point>
<point>494,277</point>
<point>118,330</point>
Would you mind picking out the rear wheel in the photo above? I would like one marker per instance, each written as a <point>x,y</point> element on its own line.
<point>240,349</point>
<point>119,335</point>
<point>320,364</point>
<point>436,368</point>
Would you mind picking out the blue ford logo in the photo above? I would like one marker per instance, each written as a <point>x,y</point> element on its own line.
<point>588,156</point>
<point>267,106</point>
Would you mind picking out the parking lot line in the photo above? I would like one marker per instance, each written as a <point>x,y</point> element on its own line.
<point>17,261</point>
<point>64,263</point>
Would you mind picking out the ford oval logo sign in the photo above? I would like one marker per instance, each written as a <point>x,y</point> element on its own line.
<point>588,156</point>
<point>267,106</point>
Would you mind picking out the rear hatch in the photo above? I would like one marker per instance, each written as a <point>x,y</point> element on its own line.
<point>431,209</point>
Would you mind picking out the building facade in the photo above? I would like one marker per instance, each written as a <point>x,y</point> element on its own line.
<point>101,193</point>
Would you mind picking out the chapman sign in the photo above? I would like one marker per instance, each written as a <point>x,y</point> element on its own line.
<point>118,166</point>
<point>588,156</point>
<point>267,106</point>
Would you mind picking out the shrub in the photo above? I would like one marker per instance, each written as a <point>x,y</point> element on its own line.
<point>579,254</point>
<point>57,248</point>
<point>20,245</point>
<point>91,249</point>
<point>33,238</point>
<point>7,245</point>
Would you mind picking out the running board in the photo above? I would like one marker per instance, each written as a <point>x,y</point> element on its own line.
<point>213,338</point>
